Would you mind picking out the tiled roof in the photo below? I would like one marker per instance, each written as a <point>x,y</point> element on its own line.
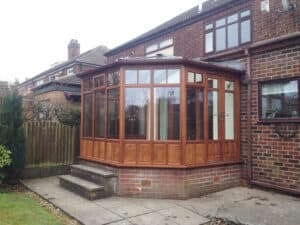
<point>94,56</point>
<point>73,79</point>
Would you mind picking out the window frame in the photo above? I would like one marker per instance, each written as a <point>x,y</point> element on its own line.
<point>280,119</point>
<point>159,48</point>
<point>214,29</point>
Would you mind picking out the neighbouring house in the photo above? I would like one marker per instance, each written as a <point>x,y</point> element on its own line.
<point>202,102</point>
<point>4,88</point>
<point>59,84</point>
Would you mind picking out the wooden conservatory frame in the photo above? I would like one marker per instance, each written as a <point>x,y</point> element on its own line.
<point>151,152</point>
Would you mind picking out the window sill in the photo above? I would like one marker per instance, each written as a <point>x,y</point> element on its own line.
<point>269,121</point>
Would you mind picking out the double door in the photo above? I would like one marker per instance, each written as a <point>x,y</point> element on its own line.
<point>222,114</point>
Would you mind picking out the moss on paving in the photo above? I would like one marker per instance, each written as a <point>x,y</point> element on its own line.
<point>19,209</point>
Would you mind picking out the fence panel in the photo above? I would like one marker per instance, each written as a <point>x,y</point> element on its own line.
<point>50,144</point>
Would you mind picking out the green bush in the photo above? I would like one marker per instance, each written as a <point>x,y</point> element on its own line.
<point>12,132</point>
<point>5,160</point>
<point>70,117</point>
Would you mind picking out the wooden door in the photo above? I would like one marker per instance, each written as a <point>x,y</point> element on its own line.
<point>222,118</point>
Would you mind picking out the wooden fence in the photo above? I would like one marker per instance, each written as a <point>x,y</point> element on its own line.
<point>50,144</point>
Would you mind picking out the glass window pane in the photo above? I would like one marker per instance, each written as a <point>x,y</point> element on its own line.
<point>245,13</point>
<point>213,128</point>
<point>166,113</point>
<point>100,81</point>
<point>209,42</point>
<point>232,18</point>
<point>87,115</point>
<point>131,77</point>
<point>229,85</point>
<point>229,116</point>
<point>198,78</point>
<point>144,76</point>
<point>280,99</point>
<point>100,108</point>
<point>166,43</point>
<point>220,39</point>
<point>87,84</point>
<point>191,77</point>
<point>113,78</point>
<point>113,113</point>
<point>232,35</point>
<point>195,119</point>
<point>212,83</point>
<point>152,48</point>
<point>166,52</point>
<point>220,22</point>
<point>160,77</point>
<point>209,26</point>
<point>137,113</point>
<point>174,76</point>
<point>245,31</point>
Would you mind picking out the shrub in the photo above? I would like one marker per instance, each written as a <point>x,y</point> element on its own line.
<point>5,160</point>
<point>70,117</point>
<point>12,133</point>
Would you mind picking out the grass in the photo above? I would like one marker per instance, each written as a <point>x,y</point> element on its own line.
<point>16,208</point>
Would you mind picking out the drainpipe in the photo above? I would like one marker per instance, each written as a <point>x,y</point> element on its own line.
<point>249,119</point>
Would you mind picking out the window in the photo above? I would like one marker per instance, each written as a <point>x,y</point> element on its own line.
<point>194,77</point>
<point>137,76</point>
<point>164,47</point>
<point>228,32</point>
<point>195,113</point>
<point>87,84</point>
<point>100,108</point>
<point>166,113</point>
<point>137,113</point>
<point>170,76</point>
<point>113,79</point>
<point>100,81</point>
<point>87,115</point>
<point>70,71</point>
<point>280,99</point>
<point>39,82</point>
<point>213,111</point>
<point>113,96</point>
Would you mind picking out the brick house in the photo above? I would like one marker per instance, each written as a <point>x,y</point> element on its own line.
<point>59,84</point>
<point>200,103</point>
<point>4,88</point>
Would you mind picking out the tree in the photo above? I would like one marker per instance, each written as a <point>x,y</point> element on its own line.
<point>12,132</point>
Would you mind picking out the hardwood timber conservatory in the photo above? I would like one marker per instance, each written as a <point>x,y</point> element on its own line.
<point>160,112</point>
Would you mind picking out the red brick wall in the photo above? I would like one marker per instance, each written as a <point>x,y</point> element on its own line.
<point>177,183</point>
<point>275,160</point>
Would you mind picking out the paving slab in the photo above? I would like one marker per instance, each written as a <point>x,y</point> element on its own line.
<point>130,210</point>
<point>183,216</point>
<point>241,204</point>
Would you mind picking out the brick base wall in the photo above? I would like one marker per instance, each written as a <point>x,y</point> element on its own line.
<point>174,183</point>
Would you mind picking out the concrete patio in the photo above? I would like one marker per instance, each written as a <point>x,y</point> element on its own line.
<point>240,204</point>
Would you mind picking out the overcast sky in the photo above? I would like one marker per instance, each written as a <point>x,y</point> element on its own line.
<point>35,33</point>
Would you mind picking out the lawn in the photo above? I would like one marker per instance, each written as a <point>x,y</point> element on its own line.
<point>16,208</point>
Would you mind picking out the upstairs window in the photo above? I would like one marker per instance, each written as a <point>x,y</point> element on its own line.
<point>164,47</point>
<point>228,32</point>
<point>70,71</point>
<point>280,99</point>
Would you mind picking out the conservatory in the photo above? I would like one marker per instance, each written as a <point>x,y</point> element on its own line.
<point>160,113</point>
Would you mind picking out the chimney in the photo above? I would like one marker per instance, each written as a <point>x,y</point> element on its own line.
<point>73,49</point>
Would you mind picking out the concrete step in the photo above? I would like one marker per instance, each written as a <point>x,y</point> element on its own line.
<point>93,170</point>
<point>82,187</point>
<point>99,176</point>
